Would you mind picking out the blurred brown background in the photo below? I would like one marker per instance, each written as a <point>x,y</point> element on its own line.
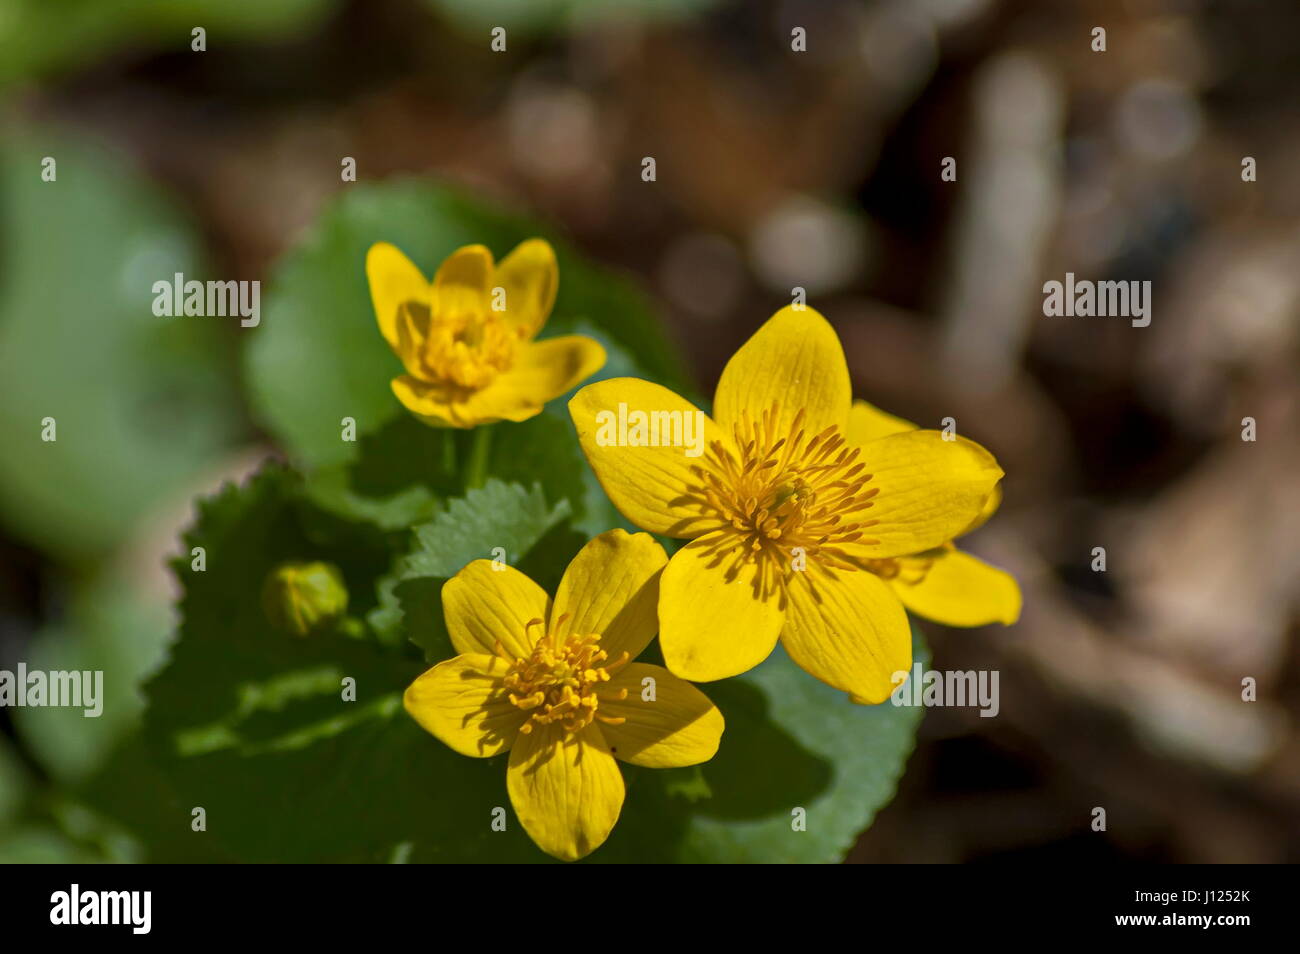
<point>821,169</point>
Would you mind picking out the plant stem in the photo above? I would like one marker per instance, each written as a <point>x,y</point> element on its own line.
<point>449,452</point>
<point>476,467</point>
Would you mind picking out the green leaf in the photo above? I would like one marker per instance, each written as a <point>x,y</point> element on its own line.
<point>241,709</point>
<point>790,742</point>
<point>403,470</point>
<point>15,783</point>
<point>497,521</point>
<point>318,356</point>
<point>109,630</point>
<point>40,826</point>
<point>41,37</point>
<point>141,404</point>
<point>494,516</point>
<point>545,449</point>
<point>41,843</point>
<point>250,724</point>
<point>531,17</point>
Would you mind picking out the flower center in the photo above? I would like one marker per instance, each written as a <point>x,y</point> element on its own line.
<point>782,497</point>
<point>468,349</point>
<point>558,682</point>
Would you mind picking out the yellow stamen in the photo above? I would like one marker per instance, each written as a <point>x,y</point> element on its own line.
<point>465,343</point>
<point>779,493</point>
<point>558,682</point>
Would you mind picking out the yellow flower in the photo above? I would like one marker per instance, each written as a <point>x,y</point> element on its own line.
<point>466,340</point>
<point>944,584</point>
<point>783,514</point>
<point>553,686</point>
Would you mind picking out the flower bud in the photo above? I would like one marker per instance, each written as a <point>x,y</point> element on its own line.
<point>304,598</point>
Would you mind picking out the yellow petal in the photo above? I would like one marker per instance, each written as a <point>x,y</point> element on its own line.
<point>394,280</point>
<point>655,487</point>
<point>463,281</point>
<point>713,623</point>
<point>530,278</point>
<point>462,703</point>
<point>543,370</point>
<point>961,590</point>
<point>868,423</point>
<point>566,790</point>
<point>929,491</point>
<point>668,722</point>
<point>486,602</point>
<point>431,403</point>
<point>989,509</point>
<point>412,328</point>
<point>612,588</point>
<point>848,630</point>
<point>794,361</point>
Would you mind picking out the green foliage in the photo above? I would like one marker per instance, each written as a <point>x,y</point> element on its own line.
<point>496,521</point>
<point>251,724</point>
<point>38,826</point>
<point>141,404</point>
<point>107,628</point>
<point>15,783</point>
<point>43,36</point>
<point>531,17</point>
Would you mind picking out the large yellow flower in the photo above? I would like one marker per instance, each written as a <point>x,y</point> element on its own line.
<point>554,686</point>
<point>466,339</point>
<point>783,514</point>
<point>944,584</point>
